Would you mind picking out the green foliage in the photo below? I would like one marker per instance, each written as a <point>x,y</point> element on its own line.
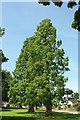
<point>2,31</point>
<point>76,95</point>
<point>76,22</point>
<point>65,107</point>
<point>44,3</point>
<point>58,3</point>
<point>40,68</point>
<point>6,78</point>
<point>77,106</point>
<point>2,57</point>
<point>68,92</point>
<point>71,4</point>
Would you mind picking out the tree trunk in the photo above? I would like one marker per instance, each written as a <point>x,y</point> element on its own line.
<point>49,107</point>
<point>20,106</point>
<point>31,109</point>
<point>36,107</point>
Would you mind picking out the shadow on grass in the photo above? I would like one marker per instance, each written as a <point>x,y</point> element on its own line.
<point>41,115</point>
<point>9,109</point>
<point>66,116</point>
<point>17,118</point>
<point>54,116</point>
<point>31,113</point>
<point>6,110</point>
<point>12,108</point>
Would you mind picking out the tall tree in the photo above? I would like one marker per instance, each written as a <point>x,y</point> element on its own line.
<point>40,68</point>
<point>2,59</point>
<point>6,78</point>
<point>2,56</point>
<point>76,22</point>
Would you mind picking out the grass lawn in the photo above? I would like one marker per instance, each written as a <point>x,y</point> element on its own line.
<point>22,114</point>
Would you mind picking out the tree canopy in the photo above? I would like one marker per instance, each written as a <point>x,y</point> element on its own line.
<point>39,73</point>
<point>76,95</point>
<point>2,59</point>
<point>6,78</point>
<point>2,56</point>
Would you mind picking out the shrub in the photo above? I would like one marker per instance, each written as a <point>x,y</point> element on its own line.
<point>65,107</point>
<point>77,106</point>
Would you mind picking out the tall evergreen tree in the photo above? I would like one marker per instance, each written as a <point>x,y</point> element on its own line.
<point>40,68</point>
<point>6,78</point>
<point>2,59</point>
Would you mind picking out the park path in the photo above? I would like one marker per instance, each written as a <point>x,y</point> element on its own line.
<point>67,111</point>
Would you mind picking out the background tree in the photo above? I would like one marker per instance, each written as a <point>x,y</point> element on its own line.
<point>6,78</point>
<point>76,95</point>
<point>39,73</point>
<point>68,92</point>
<point>76,22</point>
<point>2,59</point>
<point>2,31</point>
<point>2,56</point>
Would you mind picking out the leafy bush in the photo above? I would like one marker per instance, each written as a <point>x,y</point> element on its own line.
<point>77,106</point>
<point>65,107</point>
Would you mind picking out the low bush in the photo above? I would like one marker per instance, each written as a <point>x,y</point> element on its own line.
<point>77,106</point>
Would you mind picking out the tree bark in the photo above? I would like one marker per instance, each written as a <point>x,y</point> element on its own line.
<point>49,107</point>
<point>20,106</point>
<point>31,109</point>
<point>36,107</point>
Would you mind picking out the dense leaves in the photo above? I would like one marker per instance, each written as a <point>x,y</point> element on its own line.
<point>40,68</point>
<point>2,56</point>
<point>68,92</point>
<point>71,4</point>
<point>58,3</point>
<point>76,95</point>
<point>6,78</point>
<point>76,22</point>
<point>4,75</point>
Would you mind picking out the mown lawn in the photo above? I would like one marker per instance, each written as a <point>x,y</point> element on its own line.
<point>22,114</point>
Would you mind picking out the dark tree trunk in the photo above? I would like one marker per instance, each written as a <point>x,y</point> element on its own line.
<point>49,107</point>
<point>36,107</point>
<point>20,106</point>
<point>31,109</point>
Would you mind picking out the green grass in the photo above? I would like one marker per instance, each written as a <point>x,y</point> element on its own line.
<point>22,114</point>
